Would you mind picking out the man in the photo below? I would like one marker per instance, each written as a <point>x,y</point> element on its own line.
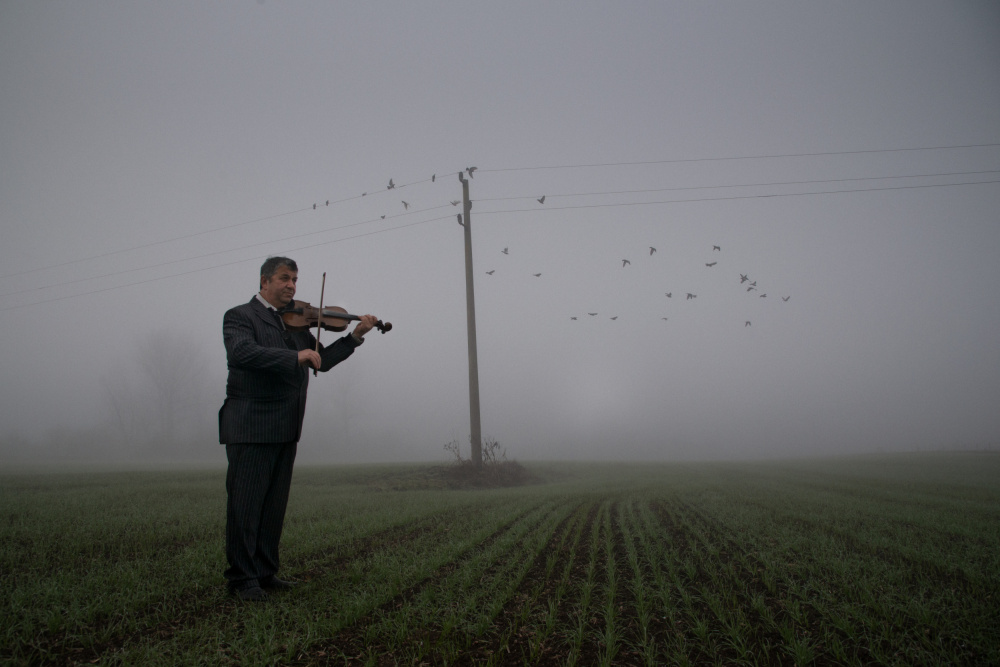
<point>261,421</point>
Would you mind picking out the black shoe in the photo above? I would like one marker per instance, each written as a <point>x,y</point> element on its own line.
<point>272,583</point>
<point>252,594</point>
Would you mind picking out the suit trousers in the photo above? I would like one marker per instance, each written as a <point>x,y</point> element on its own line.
<point>257,484</point>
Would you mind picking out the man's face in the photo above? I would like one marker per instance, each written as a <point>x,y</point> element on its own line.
<point>279,289</point>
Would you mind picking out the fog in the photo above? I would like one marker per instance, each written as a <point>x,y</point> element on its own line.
<point>843,155</point>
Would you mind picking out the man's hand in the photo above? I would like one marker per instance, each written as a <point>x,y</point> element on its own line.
<point>365,324</point>
<point>309,358</point>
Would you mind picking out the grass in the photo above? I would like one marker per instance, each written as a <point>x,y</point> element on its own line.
<point>875,560</point>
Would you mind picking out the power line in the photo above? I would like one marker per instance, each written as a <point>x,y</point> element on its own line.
<point>192,235</point>
<point>216,266</point>
<point>739,157</point>
<point>215,253</point>
<point>735,197</point>
<point>744,185</point>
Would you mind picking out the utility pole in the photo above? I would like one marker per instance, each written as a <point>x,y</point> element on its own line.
<point>470,308</point>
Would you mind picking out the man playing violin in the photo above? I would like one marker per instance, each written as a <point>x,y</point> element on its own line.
<point>261,421</point>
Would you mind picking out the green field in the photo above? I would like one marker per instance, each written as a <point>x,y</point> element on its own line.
<point>875,560</point>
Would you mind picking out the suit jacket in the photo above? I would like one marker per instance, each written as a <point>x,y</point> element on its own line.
<point>266,391</point>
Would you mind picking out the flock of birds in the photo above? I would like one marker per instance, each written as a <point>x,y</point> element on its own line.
<point>744,279</point>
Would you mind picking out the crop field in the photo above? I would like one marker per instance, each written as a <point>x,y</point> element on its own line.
<point>889,559</point>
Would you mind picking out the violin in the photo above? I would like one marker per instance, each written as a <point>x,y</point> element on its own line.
<point>300,316</point>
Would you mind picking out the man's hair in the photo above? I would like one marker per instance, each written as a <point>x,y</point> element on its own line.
<point>272,264</point>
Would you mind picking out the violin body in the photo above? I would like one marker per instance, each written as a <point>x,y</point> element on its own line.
<point>300,316</point>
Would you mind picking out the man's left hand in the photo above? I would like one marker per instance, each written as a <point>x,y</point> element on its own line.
<point>365,324</point>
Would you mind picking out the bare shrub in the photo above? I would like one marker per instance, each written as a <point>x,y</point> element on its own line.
<point>497,470</point>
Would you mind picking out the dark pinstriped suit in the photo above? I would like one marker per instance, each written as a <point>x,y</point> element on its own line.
<point>260,424</point>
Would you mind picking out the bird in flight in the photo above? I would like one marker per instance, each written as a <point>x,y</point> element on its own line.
<point>747,324</point>
<point>763,295</point>
<point>406,205</point>
<point>591,314</point>
<point>470,170</point>
<point>743,278</point>
<point>455,202</point>
<point>383,217</point>
<point>715,247</point>
<point>615,317</point>
<point>691,296</point>
<point>670,295</point>
<point>624,262</point>
<point>785,298</point>
<point>572,318</point>
<point>390,186</point>
<point>751,288</point>
<point>651,250</point>
<point>490,273</point>
<point>542,200</point>
<point>710,264</point>
<point>504,251</point>
<point>537,275</point>
<point>664,318</point>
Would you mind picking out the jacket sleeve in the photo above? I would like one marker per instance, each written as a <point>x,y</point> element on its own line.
<point>243,350</point>
<point>333,354</point>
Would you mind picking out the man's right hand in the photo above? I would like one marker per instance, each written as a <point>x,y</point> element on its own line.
<point>310,359</point>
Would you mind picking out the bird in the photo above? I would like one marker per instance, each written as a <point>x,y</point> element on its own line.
<point>624,262</point>
<point>715,247</point>
<point>542,200</point>
<point>753,284</point>
<point>763,295</point>
<point>670,295</point>
<point>785,298</point>
<point>615,317</point>
<point>363,194</point>
<point>470,170</point>
<point>406,205</point>
<point>710,264</point>
<point>383,217</point>
<point>490,273</point>
<point>391,185</point>
<point>691,296</point>
<point>664,318</point>
<point>572,318</point>
<point>651,250</point>
<point>459,216</point>
<point>747,324</point>
<point>743,278</point>
<point>504,251</point>
<point>314,207</point>
<point>591,314</point>
<point>537,275</point>
<point>455,202</point>
<point>433,176</point>
<point>327,202</point>
<point>751,288</point>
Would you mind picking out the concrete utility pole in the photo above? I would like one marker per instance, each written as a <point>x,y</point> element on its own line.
<point>470,307</point>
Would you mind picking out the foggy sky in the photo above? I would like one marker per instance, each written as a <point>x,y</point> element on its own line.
<point>153,155</point>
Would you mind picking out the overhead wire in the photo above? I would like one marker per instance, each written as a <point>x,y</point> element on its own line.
<point>504,211</point>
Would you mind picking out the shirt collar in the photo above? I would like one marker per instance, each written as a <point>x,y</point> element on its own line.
<point>266,304</point>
